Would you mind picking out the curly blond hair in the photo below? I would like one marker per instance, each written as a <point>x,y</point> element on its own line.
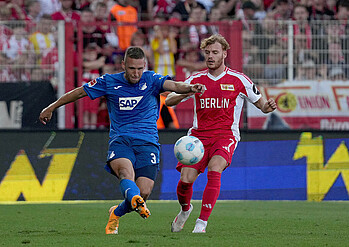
<point>213,39</point>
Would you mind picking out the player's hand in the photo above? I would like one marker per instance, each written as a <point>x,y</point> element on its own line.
<point>45,115</point>
<point>198,88</point>
<point>269,106</point>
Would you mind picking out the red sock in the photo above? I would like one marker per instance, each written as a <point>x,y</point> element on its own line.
<point>210,195</point>
<point>184,194</point>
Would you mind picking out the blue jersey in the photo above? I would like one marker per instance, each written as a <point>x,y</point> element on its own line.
<point>133,108</point>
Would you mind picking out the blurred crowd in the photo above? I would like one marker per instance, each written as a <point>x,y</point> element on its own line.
<point>170,35</point>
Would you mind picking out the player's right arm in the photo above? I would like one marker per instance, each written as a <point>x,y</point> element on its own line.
<point>71,96</point>
<point>174,98</point>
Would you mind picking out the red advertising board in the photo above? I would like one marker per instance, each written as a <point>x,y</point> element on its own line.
<point>304,105</point>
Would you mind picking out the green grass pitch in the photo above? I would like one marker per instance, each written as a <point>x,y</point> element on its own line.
<point>232,223</point>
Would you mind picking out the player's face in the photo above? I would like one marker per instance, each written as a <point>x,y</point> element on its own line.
<point>214,56</point>
<point>133,69</point>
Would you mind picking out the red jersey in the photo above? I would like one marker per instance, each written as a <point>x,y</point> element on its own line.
<point>218,110</point>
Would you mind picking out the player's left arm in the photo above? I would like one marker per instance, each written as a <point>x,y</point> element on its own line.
<point>264,105</point>
<point>183,88</point>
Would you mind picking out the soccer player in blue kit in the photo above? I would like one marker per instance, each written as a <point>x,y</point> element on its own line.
<point>133,106</point>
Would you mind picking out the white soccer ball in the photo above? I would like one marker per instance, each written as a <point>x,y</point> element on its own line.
<point>189,150</point>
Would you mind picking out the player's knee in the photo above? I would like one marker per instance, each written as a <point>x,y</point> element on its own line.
<point>188,178</point>
<point>145,193</point>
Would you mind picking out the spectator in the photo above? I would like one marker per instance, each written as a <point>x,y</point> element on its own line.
<point>160,7</point>
<point>343,16</point>
<point>191,63</point>
<point>43,39</point>
<point>336,62</point>
<point>343,11</point>
<point>108,3</point>
<point>91,66</point>
<point>332,5</point>
<point>164,47</point>
<point>5,29</point>
<point>17,10</point>
<point>139,39</point>
<point>183,8</point>
<point>307,71</point>
<point>214,16</point>
<point>227,7</point>
<point>66,13</point>
<point>260,12</point>
<point>101,17</point>
<point>82,4</point>
<point>48,7</point>
<point>302,31</point>
<point>319,11</point>
<point>264,36</point>
<point>122,12</point>
<point>17,51</point>
<point>193,34</point>
<point>44,44</point>
<point>33,10</point>
<point>91,33</point>
<point>251,59</point>
<point>275,69</point>
<point>282,10</point>
<point>246,15</point>
<point>18,45</point>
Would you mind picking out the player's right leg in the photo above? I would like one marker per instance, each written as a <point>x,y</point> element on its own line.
<point>184,194</point>
<point>178,223</point>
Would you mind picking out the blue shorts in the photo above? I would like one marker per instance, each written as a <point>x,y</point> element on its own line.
<point>144,156</point>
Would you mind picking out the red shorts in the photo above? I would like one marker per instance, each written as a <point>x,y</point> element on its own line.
<point>216,145</point>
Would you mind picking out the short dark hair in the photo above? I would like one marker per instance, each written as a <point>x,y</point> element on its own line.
<point>134,52</point>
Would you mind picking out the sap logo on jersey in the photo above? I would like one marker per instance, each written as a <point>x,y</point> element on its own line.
<point>128,103</point>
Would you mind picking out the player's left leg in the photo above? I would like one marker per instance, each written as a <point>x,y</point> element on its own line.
<point>215,167</point>
<point>123,169</point>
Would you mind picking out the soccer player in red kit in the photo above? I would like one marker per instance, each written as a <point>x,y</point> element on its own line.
<point>216,123</point>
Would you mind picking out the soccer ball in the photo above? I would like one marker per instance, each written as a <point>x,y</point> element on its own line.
<point>189,150</point>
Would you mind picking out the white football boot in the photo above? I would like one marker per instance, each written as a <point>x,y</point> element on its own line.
<point>200,226</point>
<point>178,223</point>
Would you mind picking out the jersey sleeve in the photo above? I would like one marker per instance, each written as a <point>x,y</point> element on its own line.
<point>97,87</point>
<point>253,95</point>
<point>158,81</point>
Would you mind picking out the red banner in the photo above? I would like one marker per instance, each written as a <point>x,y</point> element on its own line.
<point>304,105</point>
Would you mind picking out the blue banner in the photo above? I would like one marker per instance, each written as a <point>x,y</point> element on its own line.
<point>274,170</point>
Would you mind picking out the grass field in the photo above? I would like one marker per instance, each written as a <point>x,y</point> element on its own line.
<point>232,223</point>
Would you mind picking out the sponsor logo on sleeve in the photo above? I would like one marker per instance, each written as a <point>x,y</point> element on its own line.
<point>92,83</point>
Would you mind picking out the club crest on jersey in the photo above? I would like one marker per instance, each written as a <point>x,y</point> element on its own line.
<point>143,86</point>
<point>227,87</point>
<point>129,103</point>
<point>92,83</point>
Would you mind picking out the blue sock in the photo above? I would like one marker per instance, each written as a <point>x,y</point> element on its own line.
<point>122,209</point>
<point>129,189</point>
